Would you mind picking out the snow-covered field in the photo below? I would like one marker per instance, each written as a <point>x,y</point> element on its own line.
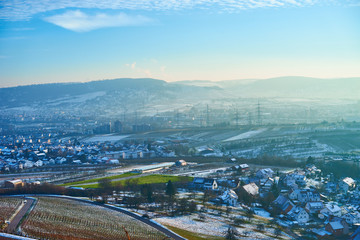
<point>105,138</point>
<point>218,225</point>
<point>262,213</point>
<point>248,134</point>
<point>78,99</point>
<point>208,227</point>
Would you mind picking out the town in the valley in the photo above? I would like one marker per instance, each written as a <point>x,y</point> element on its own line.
<point>206,182</point>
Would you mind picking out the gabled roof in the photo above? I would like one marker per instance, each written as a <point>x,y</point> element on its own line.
<point>280,200</point>
<point>349,181</point>
<point>15,181</point>
<point>336,225</point>
<point>229,194</point>
<point>251,188</point>
<point>315,204</point>
<point>333,208</point>
<point>266,171</point>
<point>244,165</point>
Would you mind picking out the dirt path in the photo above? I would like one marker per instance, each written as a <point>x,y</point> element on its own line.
<point>11,228</point>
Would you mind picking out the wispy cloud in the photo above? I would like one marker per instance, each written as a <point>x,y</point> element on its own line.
<point>25,9</point>
<point>148,68</point>
<point>79,21</point>
<point>12,38</point>
<point>21,29</point>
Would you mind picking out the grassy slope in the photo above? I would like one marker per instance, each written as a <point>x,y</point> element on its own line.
<point>155,178</point>
<point>192,235</point>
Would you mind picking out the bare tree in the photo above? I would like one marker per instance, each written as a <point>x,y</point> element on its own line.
<point>231,233</point>
<point>277,232</point>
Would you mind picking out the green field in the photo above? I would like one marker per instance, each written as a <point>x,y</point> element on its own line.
<point>150,179</point>
<point>94,180</point>
<point>192,235</point>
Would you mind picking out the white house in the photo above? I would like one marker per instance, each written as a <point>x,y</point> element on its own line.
<point>352,217</point>
<point>347,184</point>
<point>305,195</point>
<point>113,161</point>
<point>267,183</point>
<point>28,164</point>
<point>331,209</point>
<point>314,207</point>
<point>265,173</point>
<point>204,183</point>
<point>289,181</point>
<point>300,215</point>
<point>244,167</point>
<point>38,163</point>
<point>229,197</point>
<point>298,178</point>
<point>180,163</point>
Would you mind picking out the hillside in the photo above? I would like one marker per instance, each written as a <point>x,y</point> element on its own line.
<point>288,87</point>
<point>152,95</point>
<point>124,90</point>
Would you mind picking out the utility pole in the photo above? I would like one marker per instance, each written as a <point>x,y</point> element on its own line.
<point>177,116</point>
<point>250,119</point>
<point>237,117</point>
<point>258,114</point>
<point>207,116</point>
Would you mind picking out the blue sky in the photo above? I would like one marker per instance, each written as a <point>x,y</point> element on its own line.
<point>62,41</point>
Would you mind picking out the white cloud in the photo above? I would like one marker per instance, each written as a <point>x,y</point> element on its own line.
<point>25,9</point>
<point>79,21</point>
<point>150,68</point>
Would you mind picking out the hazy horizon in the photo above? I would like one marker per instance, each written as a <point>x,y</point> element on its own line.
<point>247,80</point>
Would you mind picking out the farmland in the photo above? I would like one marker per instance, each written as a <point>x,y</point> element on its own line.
<point>149,179</point>
<point>8,207</point>
<point>94,180</point>
<point>67,219</point>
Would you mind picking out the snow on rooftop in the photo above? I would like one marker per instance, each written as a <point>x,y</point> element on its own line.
<point>251,188</point>
<point>349,181</point>
<point>333,207</point>
<point>336,225</point>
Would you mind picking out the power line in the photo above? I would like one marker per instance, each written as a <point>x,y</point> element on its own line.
<point>207,116</point>
<point>237,117</point>
<point>259,122</point>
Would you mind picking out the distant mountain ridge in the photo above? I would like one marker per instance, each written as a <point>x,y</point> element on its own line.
<point>290,87</point>
<point>117,88</point>
<point>151,91</point>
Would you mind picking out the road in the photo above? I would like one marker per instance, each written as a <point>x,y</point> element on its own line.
<point>11,228</point>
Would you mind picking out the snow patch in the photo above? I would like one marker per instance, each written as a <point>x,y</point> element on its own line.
<point>245,135</point>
